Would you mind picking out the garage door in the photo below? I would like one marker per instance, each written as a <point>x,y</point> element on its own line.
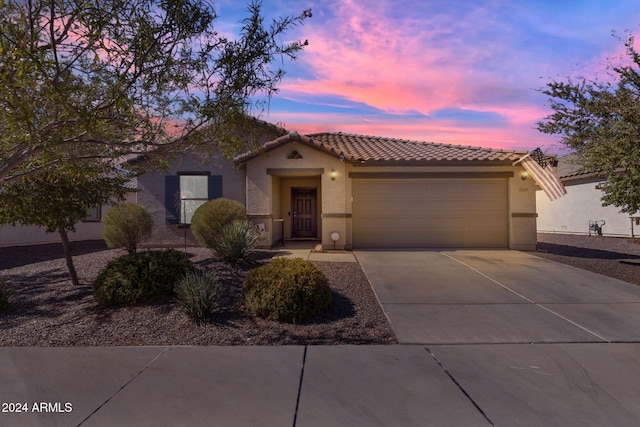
<point>430,213</point>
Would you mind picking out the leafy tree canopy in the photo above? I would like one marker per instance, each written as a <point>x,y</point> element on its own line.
<point>102,79</point>
<point>600,121</point>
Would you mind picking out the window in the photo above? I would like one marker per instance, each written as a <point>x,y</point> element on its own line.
<point>186,192</point>
<point>93,214</point>
<point>193,193</point>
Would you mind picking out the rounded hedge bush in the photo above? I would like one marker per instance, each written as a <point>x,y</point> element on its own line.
<point>211,217</point>
<point>140,277</point>
<point>126,225</point>
<point>287,290</point>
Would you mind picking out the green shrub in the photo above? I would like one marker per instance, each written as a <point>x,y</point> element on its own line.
<point>197,292</point>
<point>126,225</point>
<point>211,217</point>
<point>236,241</point>
<point>287,290</point>
<point>139,277</point>
<point>6,295</point>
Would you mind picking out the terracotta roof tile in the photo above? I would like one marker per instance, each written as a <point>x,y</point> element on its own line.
<point>379,149</point>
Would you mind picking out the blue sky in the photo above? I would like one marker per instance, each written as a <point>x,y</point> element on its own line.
<point>452,71</point>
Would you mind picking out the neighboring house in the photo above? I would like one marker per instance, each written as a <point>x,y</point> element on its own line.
<point>365,192</point>
<point>581,206</point>
<point>88,229</point>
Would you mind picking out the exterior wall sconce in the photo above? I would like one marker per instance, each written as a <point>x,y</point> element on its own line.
<point>333,174</point>
<point>524,175</point>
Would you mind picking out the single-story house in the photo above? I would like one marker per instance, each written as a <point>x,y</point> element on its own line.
<point>358,191</point>
<point>354,191</point>
<point>582,206</point>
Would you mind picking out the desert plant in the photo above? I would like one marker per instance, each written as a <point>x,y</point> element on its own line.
<point>236,241</point>
<point>139,277</point>
<point>287,290</point>
<point>6,295</point>
<point>126,225</point>
<point>197,292</point>
<point>211,217</point>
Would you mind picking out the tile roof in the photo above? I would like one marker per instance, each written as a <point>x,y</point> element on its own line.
<point>363,149</point>
<point>569,169</point>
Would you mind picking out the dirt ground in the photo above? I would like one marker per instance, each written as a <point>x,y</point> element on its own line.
<point>617,257</point>
<point>50,311</point>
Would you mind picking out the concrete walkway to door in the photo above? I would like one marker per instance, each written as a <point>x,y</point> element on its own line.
<point>498,296</point>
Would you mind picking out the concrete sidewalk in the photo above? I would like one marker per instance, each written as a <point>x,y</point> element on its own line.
<point>305,250</point>
<point>230,386</point>
<point>324,386</point>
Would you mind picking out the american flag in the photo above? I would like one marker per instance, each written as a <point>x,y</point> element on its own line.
<point>543,174</point>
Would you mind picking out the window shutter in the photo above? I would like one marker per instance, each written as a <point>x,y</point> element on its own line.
<point>172,199</point>
<point>215,186</point>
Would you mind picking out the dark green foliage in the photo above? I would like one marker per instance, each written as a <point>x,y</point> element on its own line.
<point>600,122</point>
<point>140,277</point>
<point>287,290</point>
<point>197,292</point>
<point>6,296</point>
<point>126,225</point>
<point>210,218</point>
<point>236,241</point>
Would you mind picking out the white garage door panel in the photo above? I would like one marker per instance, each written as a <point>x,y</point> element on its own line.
<point>430,213</point>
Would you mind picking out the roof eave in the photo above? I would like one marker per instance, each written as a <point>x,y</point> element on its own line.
<point>441,162</point>
<point>293,136</point>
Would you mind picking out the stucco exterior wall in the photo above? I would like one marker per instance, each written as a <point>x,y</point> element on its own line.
<point>271,176</point>
<point>152,194</point>
<point>571,213</point>
<point>31,235</point>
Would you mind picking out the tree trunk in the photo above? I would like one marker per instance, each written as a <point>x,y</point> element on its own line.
<point>67,254</point>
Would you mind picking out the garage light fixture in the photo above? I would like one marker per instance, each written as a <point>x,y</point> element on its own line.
<point>524,175</point>
<point>333,174</point>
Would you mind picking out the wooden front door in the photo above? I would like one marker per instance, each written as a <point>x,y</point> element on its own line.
<point>304,216</point>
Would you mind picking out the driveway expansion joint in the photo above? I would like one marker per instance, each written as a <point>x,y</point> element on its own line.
<point>457,384</point>
<point>164,350</point>
<point>304,361</point>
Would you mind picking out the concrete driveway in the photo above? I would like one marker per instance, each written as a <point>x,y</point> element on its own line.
<point>497,297</point>
<point>528,341</point>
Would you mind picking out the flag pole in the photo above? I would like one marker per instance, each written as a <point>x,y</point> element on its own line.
<point>520,159</point>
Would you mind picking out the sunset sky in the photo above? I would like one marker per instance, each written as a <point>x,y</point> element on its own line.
<point>452,71</point>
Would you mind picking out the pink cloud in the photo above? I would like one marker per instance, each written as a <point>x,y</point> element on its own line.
<point>519,134</point>
<point>405,66</point>
<point>388,65</point>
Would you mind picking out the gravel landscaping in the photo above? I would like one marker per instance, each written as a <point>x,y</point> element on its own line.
<point>617,257</point>
<point>49,311</point>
